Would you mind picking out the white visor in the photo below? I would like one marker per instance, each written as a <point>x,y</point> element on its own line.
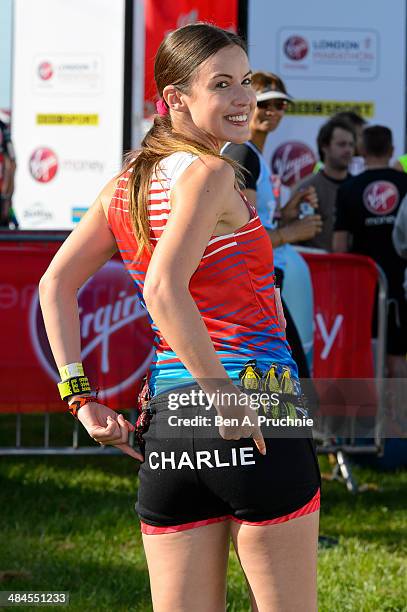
<point>272,94</point>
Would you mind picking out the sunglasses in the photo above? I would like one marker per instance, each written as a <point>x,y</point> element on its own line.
<point>279,105</point>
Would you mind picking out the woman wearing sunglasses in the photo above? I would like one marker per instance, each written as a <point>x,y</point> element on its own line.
<point>283,224</point>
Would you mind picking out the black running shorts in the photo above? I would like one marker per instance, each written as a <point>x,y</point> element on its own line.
<point>189,479</point>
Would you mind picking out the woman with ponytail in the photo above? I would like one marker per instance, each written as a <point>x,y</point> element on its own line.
<point>202,264</point>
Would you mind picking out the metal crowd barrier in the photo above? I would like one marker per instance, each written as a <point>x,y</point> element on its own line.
<point>325,444</point>
<point>74,449</point>
<point>342,449</point>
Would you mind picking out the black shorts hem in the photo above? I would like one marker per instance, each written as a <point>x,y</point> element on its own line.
<point>242,517</point>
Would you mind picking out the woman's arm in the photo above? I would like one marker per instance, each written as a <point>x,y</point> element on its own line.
<point>85,250</point>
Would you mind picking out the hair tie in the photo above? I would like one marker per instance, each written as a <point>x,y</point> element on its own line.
<point>162,108</point>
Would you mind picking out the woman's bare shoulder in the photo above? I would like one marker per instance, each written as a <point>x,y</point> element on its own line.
<point>206,172</point>
<point>210,165</point>
<point>107,193</point>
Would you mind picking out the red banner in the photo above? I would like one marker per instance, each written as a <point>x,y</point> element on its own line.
<point>163,17</point>
<point>116,335</point>
<point>117,339</point>
<point>344,295</point>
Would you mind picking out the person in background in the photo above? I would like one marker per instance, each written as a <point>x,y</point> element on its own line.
<point>282,224</point>
<point>367,206</point>
<point>400,236</point>
<point>400,230</point>
<point>7,171</point>
<point>401,163</point>
<point>336,145</point>
<point>357,164</point>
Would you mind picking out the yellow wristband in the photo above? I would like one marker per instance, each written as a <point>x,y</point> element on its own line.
<point>73,386</point>
<point>70,370</point>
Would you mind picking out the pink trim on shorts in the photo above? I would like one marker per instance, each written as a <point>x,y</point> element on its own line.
<point>312,506</point>
<point>152,530</point>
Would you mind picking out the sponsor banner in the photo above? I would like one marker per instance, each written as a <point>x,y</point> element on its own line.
<point>292,161</point>
<point>326,108</point>
<point>334,58</point>
<point>67,105</point>
<point>77,213</point>
<point>162,18</point>
<point>116,337</point>
<point>344,295</point>
<point>6,15</point>
<point>65,119</point>
<point>43,164</point>
<point>328,53</point>
<point>37,215</point>
<point>70,74</point>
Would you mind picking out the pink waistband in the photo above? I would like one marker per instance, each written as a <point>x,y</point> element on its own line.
<point>311,506</point>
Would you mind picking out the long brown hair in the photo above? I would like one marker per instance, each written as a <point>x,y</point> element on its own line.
<point>176,62</point>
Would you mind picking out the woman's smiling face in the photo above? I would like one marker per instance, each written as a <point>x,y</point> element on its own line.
<point>220,101</point>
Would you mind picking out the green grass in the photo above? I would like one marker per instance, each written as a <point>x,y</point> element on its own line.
<point>69,524</point>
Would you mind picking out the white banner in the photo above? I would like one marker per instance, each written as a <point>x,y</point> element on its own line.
<point>332,56</point>
<point>5,54</point>
<point>68,69</point>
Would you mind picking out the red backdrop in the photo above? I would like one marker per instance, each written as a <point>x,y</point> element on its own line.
<point>344,294</point>
<point>163,17</point>
<point>117,339</point>
<point>116,335</point>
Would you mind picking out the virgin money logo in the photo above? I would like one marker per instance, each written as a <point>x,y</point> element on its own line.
<point>45,71</point>
<point>292,161</point>
<point>43,165</point>
<point>381,197</point>
<point>296,48</point>
<point>116,336</point>
<point>37,214</point>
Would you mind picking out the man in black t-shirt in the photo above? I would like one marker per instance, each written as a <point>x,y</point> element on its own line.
<point>366,209</point>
